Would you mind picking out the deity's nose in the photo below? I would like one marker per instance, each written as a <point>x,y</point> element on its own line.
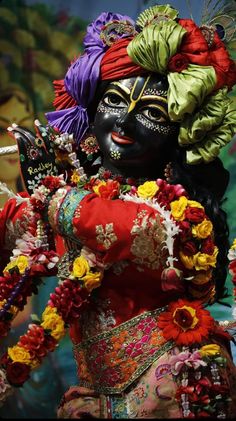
<point>125,123</point>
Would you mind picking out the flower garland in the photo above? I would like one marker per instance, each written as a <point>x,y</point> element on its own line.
<point>232,271</point>
<point>34,257</point>
<point>194,250</point>
<point>201,391</point>
<point>43,335</point>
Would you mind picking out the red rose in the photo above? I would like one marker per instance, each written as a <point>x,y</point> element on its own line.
<point>185,230</point>
<point>208,246</point>
<point>178,63</point>
<point>189,248</point>
<point>195,215</point>
<point>17,373</point>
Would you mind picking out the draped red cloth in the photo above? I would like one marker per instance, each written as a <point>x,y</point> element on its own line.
<point>116,64</point>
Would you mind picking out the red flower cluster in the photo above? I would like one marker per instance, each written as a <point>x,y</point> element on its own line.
<point>68,298</point>
<point>17,373</point>
<point>168,192</point>
<point>110,190</point>
<point>37,342</point>
<point>51,182</point>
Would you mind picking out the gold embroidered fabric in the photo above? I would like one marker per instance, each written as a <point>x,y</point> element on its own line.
<point>111,361</point>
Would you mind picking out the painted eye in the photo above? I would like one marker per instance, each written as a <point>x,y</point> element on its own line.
<point>114,100</point>
<point>154,114</point>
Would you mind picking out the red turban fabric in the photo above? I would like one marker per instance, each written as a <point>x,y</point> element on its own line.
<point>116,64</point>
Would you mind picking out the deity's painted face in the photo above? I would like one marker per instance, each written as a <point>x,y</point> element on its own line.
<point>132,125</point>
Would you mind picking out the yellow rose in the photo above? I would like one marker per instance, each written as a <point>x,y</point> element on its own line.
<point>53,322</point>
<point>204,261</point>
<point>187,260</point>
<point>92,280</point>
<point>96,188</point>
<point>209,350</point>
<point>22,262</point>
<point>80,267</point>
<point>148,190</point>
<point>202,230</point>
<point>233,245</point>
<point>75,178</point>
<point>20,355</point>
<point>195,204</point>
<point>178,208</point>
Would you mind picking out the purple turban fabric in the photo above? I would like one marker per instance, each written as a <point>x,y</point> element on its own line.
<point>81,79</point>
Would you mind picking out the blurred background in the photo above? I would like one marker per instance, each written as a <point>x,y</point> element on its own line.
<point>38,40</point>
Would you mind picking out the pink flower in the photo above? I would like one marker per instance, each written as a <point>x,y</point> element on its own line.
<point>25,245</point>
<point>187,358</point>
<point>92,259</point>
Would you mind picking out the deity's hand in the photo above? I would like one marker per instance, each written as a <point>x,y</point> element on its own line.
<point>36,154</point>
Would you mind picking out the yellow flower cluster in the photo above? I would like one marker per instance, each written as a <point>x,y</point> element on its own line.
<point>233,247</point>
<point>22,262</point>
<point>21,355</point>
<point>202,230</point>
<point>75,178</point>
<point>81,270</point>
<point>147,190</point>
<point>53,322</point>
<point>179,206</point>
<point>200,261</point>
<point>209,350</point>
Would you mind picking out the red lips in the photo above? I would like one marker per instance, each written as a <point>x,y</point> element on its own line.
<point>122,140</point>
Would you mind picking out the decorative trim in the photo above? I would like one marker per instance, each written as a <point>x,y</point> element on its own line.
<point>94,352</point>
